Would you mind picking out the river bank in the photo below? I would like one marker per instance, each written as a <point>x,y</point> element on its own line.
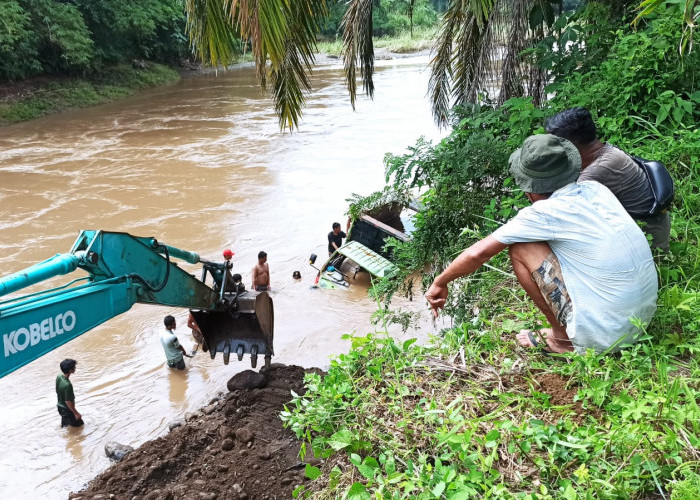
<point>28,99</point>
<point>48,94</point>
<point>233,448</point>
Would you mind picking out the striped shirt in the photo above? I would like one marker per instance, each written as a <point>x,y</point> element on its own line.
<point>605,261</point>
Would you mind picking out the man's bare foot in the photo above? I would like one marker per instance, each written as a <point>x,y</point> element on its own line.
<point>540,339</point>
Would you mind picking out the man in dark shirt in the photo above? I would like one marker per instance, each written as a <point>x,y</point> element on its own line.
<point>66,398</point>
<point>335,238</point>
<point>614,169</point>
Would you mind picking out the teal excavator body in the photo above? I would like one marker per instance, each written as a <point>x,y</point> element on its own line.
<point>122,270</point>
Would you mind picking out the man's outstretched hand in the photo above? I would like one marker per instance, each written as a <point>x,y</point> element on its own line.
<point>436,296</point>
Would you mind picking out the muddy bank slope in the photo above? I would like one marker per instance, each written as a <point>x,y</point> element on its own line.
<point>235,448</point>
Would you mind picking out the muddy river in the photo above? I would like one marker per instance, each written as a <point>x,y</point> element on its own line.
<point>200,165</point>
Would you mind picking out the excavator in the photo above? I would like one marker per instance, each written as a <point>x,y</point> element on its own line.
<point>122,270</point>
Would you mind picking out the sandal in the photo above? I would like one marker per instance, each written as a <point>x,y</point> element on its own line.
<point>538,341</point>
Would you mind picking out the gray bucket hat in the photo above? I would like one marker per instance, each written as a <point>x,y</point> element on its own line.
<point>545,163</point>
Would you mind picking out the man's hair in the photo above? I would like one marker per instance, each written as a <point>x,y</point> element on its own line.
<point>68,365</point>
<point>262,254</point>
<point>169,320</point>
<point>574,124</point>
<point>237,277</point>
<point>336,224</point>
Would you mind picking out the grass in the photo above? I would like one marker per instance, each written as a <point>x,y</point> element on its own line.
<point>108,85</point>
<point>474,415</point>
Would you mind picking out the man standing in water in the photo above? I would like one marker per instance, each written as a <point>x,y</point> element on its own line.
<point>66,398</point>
<point>174,352</point>
<point>261,274</point>
<point>335,238</point>
<point>577,254</point>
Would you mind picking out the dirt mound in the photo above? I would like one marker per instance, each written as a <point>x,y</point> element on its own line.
<point>234,448</point>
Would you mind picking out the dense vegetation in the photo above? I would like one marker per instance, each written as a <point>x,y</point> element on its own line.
<point>390,17</point>
<point>473,414</point>
<point>79,36</point>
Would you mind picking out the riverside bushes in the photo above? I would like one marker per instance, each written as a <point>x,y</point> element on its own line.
<point>475,415</point>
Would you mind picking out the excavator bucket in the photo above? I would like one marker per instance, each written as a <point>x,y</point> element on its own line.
<point>248,330</point>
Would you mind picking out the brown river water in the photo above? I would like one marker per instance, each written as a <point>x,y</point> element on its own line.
<point>200,165</point>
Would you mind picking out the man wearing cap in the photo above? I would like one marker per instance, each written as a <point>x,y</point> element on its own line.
<point>575,251</point>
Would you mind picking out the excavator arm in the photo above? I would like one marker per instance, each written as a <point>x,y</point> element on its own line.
<point>122,270</point>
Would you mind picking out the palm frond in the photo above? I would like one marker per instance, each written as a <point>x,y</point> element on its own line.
<point>358,47</point>
<point>515,35</point>
<point>441,65</point>
<point>290,79</point>
<point>212,35</point>
<point>473,60</point>
<point>481,42</point>
<point>281,33</point>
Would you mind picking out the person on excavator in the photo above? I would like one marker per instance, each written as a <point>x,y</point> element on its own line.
<point>174,352</point>
<point>66,398</point>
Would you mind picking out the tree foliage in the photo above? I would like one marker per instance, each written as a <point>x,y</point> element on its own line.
<point>643,94</point>
<point>78,36</point>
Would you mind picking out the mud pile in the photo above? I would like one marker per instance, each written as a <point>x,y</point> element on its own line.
<point>235,448</point>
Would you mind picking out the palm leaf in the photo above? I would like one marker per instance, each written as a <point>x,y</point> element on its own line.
<point>358,47</point>
<point>481,43</point>
<point>281,33</point>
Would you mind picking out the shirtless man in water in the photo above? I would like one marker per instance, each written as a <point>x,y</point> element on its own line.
<point>261,274</point>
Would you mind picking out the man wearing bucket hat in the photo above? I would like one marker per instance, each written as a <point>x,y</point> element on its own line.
<point>576,252</point>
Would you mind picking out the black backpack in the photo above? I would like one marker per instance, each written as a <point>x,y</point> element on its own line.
<point>661,185</point>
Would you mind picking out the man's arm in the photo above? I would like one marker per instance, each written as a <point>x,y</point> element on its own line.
<point>192,324</point>
<point>182,350</point>
<point>71,407</point>
<point>468,261</point>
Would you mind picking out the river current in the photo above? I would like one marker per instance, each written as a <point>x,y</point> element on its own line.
<point>200,165</point>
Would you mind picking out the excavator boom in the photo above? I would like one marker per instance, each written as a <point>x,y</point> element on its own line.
<point>123,270</point>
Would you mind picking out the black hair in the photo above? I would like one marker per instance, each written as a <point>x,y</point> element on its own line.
<point>237,277</point>
<point>262,254</point>
<point>169,320</point>
<point>68,365</point>
<point>336,224</point>
<point>574,124</point>
<point>296,275</point>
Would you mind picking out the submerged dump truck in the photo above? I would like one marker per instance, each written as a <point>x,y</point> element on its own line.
<point>122,270</point>
<point>365,248</point>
